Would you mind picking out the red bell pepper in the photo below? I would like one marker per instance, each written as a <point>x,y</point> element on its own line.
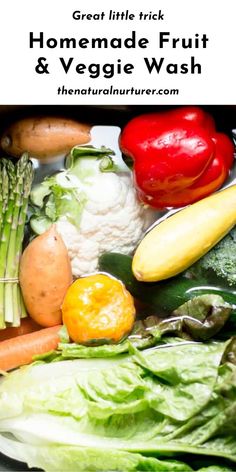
<point>178,156</point>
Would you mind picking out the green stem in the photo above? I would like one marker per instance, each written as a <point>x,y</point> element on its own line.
<point>15,183</point>
<point>28,178</point>
<point>5,234</point>
<point>107,165</point>
<point>104,154</point>
<point>2,324</point>
<point>12,308</point>
<point>5,239</point>
<point>21,303</point>
<point>1,199</point>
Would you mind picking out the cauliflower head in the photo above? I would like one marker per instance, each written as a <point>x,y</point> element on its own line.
<point>112,220</point>
<point>95,211</point>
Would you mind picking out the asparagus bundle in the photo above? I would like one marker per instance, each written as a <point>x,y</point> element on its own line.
<point>15,186</point>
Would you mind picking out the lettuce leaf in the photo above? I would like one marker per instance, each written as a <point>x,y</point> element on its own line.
<point>204,316</point>
<point>200,319</point>
<point>74,459</point>
<point>172,399</point>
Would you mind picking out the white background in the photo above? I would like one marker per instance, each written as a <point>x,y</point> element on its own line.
<point>19,83</point>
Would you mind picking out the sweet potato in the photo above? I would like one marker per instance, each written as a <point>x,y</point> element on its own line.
<point>45,275</point>
<point>44,137</point>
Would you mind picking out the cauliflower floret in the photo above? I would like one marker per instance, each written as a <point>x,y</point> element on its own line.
<point>112,220</point>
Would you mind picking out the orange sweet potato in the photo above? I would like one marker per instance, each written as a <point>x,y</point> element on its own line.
<point>45,275</point>
<point>44,137</point>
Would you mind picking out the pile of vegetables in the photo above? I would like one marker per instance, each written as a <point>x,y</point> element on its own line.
<point>128,353</point>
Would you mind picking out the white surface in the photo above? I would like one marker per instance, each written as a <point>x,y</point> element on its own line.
<point>20,84</point>
<point>108,136</point>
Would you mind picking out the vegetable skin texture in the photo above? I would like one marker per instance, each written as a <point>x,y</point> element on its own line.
<point>178,157</point>
<point>20,350</point>
<point>27,325</point>
<point>165,296</point>
<point>183,238</point>
<point>45,275</point>
<point>44,137</point>
<point>219,262</point>
<point>98,309</point>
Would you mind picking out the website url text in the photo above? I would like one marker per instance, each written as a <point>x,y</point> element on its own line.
<point>116,91</point>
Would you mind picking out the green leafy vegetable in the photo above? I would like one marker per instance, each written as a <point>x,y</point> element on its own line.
<point>204,316</point>
<point>74,459</point>
<point>126,411</point>
<point>57,196</point>
<point>198,319</point>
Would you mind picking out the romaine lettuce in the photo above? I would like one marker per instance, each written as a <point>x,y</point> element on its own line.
<point>124,413</point>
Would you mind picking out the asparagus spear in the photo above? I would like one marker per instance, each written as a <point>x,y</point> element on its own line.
<point>2,324</point>
<point>12,307</point>
<point>28,178</point>
<point>5,234</point>
<point>1,198</point>
<point>15,185</point>
<point>5,188</point>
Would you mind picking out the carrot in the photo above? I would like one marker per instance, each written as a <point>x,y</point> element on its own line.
<point>19,351</point>
<point>27,325</point>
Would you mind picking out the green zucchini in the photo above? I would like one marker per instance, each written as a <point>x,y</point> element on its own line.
<point>164,296</point>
